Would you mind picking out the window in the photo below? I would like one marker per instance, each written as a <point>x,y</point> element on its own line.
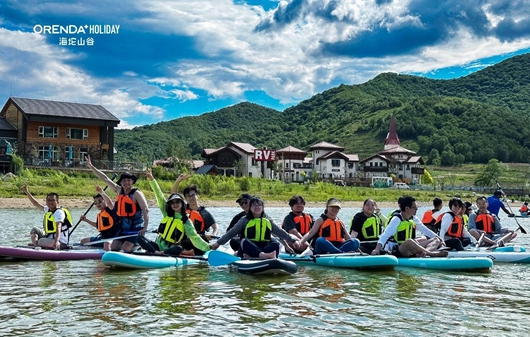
<point>48,132</point>
<point>335,162</point>
<point>48,153</point>
<point>72,133</point>
<point>286,165</point>
<point>83,152</point>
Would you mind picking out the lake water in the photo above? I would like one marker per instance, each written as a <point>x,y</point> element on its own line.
<point>84,298</point>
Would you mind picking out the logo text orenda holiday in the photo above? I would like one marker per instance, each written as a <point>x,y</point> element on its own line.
<point>75,29</point>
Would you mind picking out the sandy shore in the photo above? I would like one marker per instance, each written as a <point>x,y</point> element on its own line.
<point>20,203</point>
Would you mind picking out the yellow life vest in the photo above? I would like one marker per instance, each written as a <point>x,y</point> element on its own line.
<point>258,230</point>
<point>171,230</point>
<point>50,226</point>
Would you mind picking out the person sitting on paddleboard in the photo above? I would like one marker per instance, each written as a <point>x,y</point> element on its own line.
<point>201,218</point>
<point>483,221</point>
<point>329,234</point>
<point>399,237</point>
<point>524,209</point>
<point>256,230</point>
<point>57,221</point>
<point>107,222</point>
<point>174,228</point>
<point>367,225</point>
<point>452,228</point>
<point>243,203</point>
<point>131,207</point>
<point>430,216</point>
<point>297,222</point>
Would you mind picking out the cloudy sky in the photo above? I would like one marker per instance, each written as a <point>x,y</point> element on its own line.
<point>152,60</point>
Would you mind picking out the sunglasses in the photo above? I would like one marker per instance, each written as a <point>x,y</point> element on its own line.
<point>241,203</point>
<point>174,202</point>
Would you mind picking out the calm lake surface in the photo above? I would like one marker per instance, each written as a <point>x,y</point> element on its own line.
<point>85,298</point>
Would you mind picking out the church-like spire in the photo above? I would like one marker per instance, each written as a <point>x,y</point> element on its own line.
<point>392,139</point>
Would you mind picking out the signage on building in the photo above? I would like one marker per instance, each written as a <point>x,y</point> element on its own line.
<point>264,155</point>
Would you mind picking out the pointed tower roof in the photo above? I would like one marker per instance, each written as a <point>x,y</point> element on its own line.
<point>392,139</point>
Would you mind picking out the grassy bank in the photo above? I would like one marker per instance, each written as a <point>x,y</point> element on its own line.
<point>82,184</point>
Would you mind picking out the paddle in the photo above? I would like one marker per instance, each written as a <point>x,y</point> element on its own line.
<point>109,239</point>
<point>219,258</point>
<point>88,210</point>
<point>507,203</point>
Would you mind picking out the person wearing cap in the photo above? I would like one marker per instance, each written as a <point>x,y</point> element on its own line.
<point>174,228</point>
<point>107,222</point>
<point>484,221</point>
<point>256,229</point>
<point>452,228</point>
<point>297,222</point>
<point>243,203</point>
<point>201,218</point>
<point>131,207</point>
<point>329,234</point>
<point>367,225</point>
<point>399,237</point>
<point>495,204</point>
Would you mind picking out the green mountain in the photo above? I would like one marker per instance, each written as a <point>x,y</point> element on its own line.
<point>470,119</point>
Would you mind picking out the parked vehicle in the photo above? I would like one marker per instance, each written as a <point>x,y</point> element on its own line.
<point>401,186</point>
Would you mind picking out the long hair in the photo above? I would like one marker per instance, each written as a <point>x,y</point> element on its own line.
<point>170,212</point>
<point>254,200</point>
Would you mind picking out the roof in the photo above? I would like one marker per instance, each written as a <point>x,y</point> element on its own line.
<point>30,106</point>
<point>245,147</point>
<point>197,164</point>
<point>375,156</point>
<point>290,149</point>
<point>415,159</point>
<point>5,125</point>
<point>333,154</point>
<point>352,157</point>
<point>396,150</point>
<point>205,169</point>
<point>392,137</point>
<point>326,145</point>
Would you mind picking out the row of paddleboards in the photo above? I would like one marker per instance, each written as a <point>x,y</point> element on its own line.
<point>286,264</point>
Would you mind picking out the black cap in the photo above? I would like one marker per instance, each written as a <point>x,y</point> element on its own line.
<point>243,196</point>
<point>468,205</point>
<point>498,193</point>
<point>127,175</point>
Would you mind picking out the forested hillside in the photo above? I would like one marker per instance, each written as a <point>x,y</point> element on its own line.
<point>470,119</point>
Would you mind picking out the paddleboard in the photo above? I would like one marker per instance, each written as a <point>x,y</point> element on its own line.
<point>507,254</point>
<point>446,263</point>
<point>346,260</point>
<point>272,267</point>
<point>144,261</point>
<point>38,253</point>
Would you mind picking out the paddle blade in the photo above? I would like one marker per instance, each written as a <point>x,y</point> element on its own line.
<point>218,258</point>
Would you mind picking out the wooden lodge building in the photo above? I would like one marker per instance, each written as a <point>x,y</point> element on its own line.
<point>61,134</point>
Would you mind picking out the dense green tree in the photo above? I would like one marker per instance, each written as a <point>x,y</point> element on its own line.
<point>490,174</point>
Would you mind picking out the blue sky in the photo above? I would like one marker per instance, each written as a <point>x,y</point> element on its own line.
<point>173,58</point>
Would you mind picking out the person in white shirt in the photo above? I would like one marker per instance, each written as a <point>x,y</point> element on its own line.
<point>399,237</point>
<point>452,228</point>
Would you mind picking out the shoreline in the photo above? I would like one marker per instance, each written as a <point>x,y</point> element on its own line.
<point>22,203</point>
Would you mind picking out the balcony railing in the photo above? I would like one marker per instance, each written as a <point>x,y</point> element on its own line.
<point>417,170</point>
<point>375,168</point>
<point>78,164</point>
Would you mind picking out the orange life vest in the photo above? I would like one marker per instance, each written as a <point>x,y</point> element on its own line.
<point>332,230</point>
<point>427,219</point>
<point>485,222</point>
<point>125,205</point>
<point>523,209</point>
<point>303,223</point>
<point>105,221</point>
<point>456,228</point>
<point>197,220</point>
